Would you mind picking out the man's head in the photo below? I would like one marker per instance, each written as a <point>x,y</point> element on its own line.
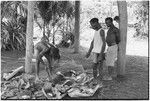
<point>95,23</point>
<point>109,21</point>
<point>116,18</point>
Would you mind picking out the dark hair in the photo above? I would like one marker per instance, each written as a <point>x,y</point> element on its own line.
<point>93,20</point>
<point>109,18</point>
<point>116,18</point>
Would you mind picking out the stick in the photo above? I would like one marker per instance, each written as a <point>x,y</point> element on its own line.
<point>14,73</point>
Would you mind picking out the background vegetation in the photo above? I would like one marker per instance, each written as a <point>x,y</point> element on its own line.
<point>55,19</point>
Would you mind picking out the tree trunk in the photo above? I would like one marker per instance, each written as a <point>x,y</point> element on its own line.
<point>29,37</point>
<point>122,8</point>
<point>77,26</point>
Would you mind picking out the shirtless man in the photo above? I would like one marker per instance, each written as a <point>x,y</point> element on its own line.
<point>49,51</point>
<point>112,40</point>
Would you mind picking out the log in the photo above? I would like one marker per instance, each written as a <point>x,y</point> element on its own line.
<point>10,75</point>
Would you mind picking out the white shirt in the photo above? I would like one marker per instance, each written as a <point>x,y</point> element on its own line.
<point>97,44</point>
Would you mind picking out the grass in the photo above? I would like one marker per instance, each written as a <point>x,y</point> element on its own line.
<point>135,84</point>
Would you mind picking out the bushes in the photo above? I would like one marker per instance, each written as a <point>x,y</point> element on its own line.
<point>13,35</point>
<point>13,25</point>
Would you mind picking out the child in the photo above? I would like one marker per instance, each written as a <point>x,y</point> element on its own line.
<point>97,47</point>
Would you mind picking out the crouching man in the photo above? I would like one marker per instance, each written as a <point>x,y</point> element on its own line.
<point>50,52</point>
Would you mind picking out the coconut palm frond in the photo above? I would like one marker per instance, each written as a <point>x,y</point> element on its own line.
<point>14,24</point>
<point>45,10</point>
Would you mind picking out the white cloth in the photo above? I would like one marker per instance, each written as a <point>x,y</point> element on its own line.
<point>111,55</point>
<point>97,44</point>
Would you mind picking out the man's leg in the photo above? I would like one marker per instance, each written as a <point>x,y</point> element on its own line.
<point>37,63</point>
<point>111,58</point>
<point>100,68</point>
<point>108,63</point>
<point>115,68</point>
<point>95,64</point>
<point>110,70</point>
<point>95,70</point>
<point>37,69</point>
<point>100,65</point>
<point>48,66</point>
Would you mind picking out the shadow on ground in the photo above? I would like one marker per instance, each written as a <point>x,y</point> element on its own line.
<point>134,86</point>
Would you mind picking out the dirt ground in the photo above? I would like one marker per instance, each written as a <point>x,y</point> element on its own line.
<point>134,86</point>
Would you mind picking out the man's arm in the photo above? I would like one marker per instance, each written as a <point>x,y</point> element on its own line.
<point>90,49</point>
<point>117,36</point>
<point>102,34</point>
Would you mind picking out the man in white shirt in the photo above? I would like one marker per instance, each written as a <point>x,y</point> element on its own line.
<point>97,47</point>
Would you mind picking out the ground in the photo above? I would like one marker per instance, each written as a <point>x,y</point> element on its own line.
<point>134,86</point>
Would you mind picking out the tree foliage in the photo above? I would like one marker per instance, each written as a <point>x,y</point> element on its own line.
<point>58,16</point>
<point>52,12</point>
<point>141,13</point>
<point>14,19</point>
<point>13,25</point>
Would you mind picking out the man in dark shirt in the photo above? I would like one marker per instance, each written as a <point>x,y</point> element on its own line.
<point>112,40</point>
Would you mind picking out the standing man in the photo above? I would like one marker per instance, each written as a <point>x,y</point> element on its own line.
<point>112,40</point>
<point>97,47</point>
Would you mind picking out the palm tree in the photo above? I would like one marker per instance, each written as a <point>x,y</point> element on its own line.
<point>29,39</point>
<point>44,8</point>
<point>52,11</point>
<point>13,18</point>
<point>77,26</point>
<point>122,8</point>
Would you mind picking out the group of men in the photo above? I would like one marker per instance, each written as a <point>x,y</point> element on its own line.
<point>101,57</point>
<point>97,47</point>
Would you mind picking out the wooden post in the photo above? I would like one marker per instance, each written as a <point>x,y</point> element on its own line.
<point>29,37</point>
<point>122,8</point>
<point>77,26</point>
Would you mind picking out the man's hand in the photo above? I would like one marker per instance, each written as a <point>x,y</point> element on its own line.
<point>87,54</point>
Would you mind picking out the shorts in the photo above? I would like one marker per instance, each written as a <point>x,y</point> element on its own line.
<point>111,55</point>
<point>97,58</point>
